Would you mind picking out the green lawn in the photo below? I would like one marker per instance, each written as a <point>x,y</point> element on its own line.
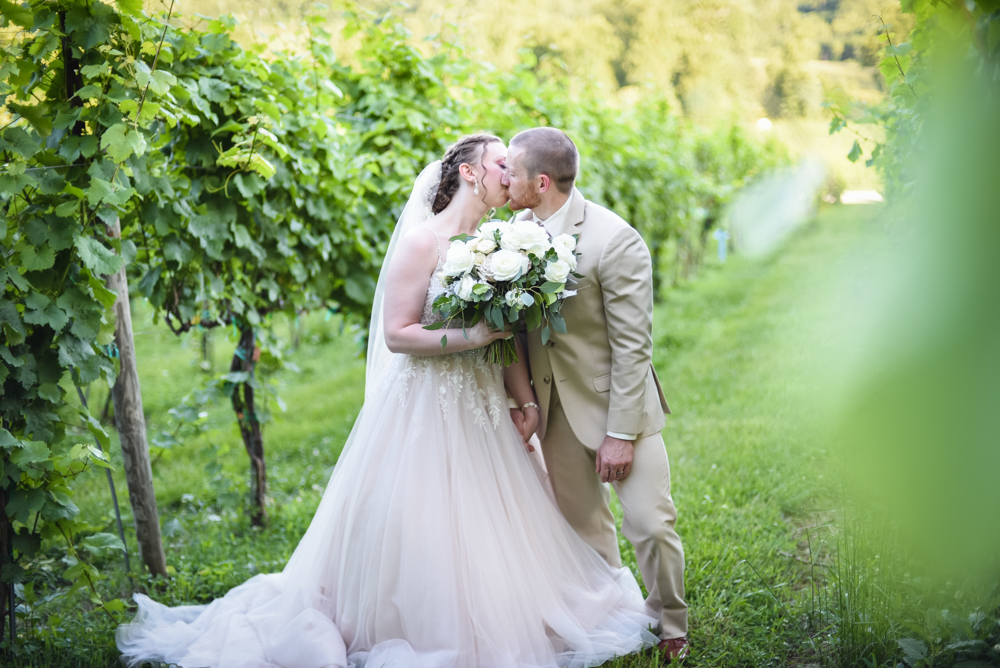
<point>731,350</point>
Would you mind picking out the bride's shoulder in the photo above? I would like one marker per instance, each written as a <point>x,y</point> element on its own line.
<point>417,251</point>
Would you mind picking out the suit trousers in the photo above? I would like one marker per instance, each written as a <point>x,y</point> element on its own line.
<point>649,513</point>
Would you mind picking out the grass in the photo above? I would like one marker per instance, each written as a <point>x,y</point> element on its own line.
<point>749,482</point>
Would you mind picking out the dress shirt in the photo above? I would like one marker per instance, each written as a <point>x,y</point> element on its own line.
<point>551,224</point>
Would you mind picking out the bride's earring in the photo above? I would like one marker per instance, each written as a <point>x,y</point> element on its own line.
<point>476,192</point>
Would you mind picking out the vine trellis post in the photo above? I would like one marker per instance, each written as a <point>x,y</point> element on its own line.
<point>131,425</point>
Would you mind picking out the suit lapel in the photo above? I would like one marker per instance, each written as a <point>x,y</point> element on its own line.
<point>574,215</point>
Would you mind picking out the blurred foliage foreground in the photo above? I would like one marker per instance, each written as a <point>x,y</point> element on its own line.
<point>249,185</point>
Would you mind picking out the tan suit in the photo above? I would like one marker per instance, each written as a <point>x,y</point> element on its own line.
<point>599,378</point>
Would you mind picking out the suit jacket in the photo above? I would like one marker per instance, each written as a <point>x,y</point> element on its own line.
<point>602,367</point>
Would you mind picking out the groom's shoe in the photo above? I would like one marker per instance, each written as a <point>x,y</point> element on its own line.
<point>674,650</point>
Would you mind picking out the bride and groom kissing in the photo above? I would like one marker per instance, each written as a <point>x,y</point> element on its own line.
<point>440,540</point>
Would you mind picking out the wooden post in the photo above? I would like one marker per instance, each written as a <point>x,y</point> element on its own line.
<point>244,359</point>
<point>132,430</point>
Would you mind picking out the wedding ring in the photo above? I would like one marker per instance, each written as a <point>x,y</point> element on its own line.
<point>619,473</point>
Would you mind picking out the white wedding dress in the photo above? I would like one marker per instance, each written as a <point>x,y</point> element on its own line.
<point>436,545</point>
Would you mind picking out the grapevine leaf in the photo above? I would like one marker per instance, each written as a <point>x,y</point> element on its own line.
<point>30,452</point>
<point>95,428</point>
<point>102,544</point>
<point>17,14</point>
<point>98,191</point>
<point>7,440</point>
<point>42,311</point>
<point>19,141</point>
<point>98,259</point>
<point>38,259</point>
<point>120,142</point>
<point>23,502</point>
<point>11,323</point>
<point>50,392</point>
<point>101,293</point>
<point>855,152</point>
<point>131,7</point>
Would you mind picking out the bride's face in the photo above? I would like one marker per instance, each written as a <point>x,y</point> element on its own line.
<point>494,163</point>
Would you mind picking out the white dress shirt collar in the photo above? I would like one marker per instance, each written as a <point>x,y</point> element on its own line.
<point>555,222</point>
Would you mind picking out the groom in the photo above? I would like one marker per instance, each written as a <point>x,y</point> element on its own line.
<point>602,408</point>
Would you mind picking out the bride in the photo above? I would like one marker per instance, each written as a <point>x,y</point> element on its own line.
<point>436,544</point>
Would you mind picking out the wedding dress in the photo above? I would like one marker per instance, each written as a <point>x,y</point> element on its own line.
<point>435,546</point>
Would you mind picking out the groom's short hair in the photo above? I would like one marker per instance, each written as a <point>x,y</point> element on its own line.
<point>551,152</point>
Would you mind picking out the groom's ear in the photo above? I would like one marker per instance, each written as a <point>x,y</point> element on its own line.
<point>544,183</point>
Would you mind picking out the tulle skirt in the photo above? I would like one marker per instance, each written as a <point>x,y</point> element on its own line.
<point>436,545</point>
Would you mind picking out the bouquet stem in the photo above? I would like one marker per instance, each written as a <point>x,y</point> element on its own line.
<point>501,351</point>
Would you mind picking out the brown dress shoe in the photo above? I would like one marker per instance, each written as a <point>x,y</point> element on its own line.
<point>674,649</point>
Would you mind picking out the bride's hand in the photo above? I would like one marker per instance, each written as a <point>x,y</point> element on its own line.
<point>483,335</point>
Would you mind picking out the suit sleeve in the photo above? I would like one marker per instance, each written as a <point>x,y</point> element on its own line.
<point>626,275</point>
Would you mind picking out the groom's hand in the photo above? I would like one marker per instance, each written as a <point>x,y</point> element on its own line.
<point>517,416</point>
<point>614,459</point>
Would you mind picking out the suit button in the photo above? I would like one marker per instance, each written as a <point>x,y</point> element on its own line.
<point>546,379</point>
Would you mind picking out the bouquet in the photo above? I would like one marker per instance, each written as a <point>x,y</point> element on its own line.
<point>513,275</point>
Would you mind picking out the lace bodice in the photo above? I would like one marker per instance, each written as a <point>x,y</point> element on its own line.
<point>465,381</point>
<point>434,290</point>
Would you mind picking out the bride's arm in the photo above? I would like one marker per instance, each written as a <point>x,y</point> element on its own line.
<point>517,378</point>
<point>405,291</point>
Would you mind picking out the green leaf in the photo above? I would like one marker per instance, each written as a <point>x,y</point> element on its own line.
<point>435,325</point>
<point>50,391</point>
<point>96,257</point>
<point>527,299</point>
<point>120,142</point>
<point>131,7</point>
<point>11,323</point>
<point>97,431</point>
<point>40,310</point>
<point>17,14</point>
<point>38,259</point>
<point>17,140</point>
<point>855,152</point>
<point>546,333</point>
<point>550,287</point>
<point>30,452</point>
<point>7,440</point>
<point>558,323</point>
<point>102,544</point>
<point>444,342</point>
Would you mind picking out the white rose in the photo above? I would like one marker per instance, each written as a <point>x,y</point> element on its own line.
<point>506,265</point>
<point>464,287</point>
<point>487,229</point>
<point>525,262</point>
<point>528,236</point>
<point>486,245</point>
<point>459,260</point>
<point>567,257</point>
<point>564,243</point>
<point>557,271</point>
<point>479,258</point>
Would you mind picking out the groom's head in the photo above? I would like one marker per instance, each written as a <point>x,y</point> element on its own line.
<point>541,164</point>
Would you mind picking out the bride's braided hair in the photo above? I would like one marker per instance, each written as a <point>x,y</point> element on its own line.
<point>466,150</point>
